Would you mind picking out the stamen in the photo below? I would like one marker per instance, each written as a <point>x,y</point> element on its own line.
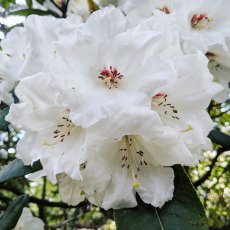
<point>161,104</point>
<point>189,128</point>
<point>132,158</point>
<point>165,9</point>
<point>200,21</point>
<point>111,77</point>
<point>62,130</point>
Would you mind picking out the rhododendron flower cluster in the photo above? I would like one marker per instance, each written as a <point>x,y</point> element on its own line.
<point>111,102</point>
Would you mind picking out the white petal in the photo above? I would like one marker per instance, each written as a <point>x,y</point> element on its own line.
<point>71,191</point>
<point>156,185</point>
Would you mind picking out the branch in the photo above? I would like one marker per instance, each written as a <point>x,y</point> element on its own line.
<point>43,202</point>
<point>209,172</point>
<point>220,114</point>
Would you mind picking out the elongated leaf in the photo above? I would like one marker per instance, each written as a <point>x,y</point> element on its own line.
<point>27,12</point>
<point>12,214</point>
<point>40,1</point>
<point>3,113</point>
<point>220,138</point>
<point>29,3</point>
<point>184,212</point>
<point>16,168</point>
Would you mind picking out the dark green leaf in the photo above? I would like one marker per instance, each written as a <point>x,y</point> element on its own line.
<point>29,3</point>
<point>40,1</point>
<point>92,6</point>
<point>27,12</point>
<point>12,214</point>
<point>220,138</point>
<point>16,168</point>
<point>183,212</point>
<point>3,113</point>
<point>6,3</point>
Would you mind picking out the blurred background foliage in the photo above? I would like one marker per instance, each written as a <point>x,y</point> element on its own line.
<point>210,177</point>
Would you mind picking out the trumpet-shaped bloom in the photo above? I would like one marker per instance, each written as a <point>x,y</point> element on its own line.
<point>119,69</point>
<point>202,24</point>
<point>26,51</point>
<point>50,134</point>
<point>141,10</point>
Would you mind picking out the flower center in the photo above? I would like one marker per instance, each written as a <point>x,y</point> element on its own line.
<point>132,157</point>
<point>200,21</point>
<point>161,104</point>
<point>165,9</point>
<point>213,64</point>
<point>63,129</point>
<point>110,76</point>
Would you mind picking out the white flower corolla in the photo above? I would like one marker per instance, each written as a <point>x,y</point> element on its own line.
<point>12,59</point>
<point>199,22</point>
<point>140,10</point>
<point>50,134</point>
<point>74,191</point>
<point>27,51</point>
<point>111,67</point>
<point>181,103</point>
<point>202,23</point>
<point>27,221</point>
<point>127,156</point>
<point>219,66</point>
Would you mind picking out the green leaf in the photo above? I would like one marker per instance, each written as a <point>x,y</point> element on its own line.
<point>27,12</point>
<point>220,138</point>
<point>12,214</point>
<point>29,3</point>
<point>40,1</point>
<point>6,3</point>
<point>16,168</point>
<point>92,6</point>
<point>183,212</point>
<point>3,113</point>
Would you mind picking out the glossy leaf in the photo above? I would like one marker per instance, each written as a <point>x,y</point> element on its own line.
<point>3,113</point>
<point>16,168</point>
<point>184,211</point>
<point>220,138</point>
<point>40,1</point>
<point>12,214</point>
<point>27,12</point>
<point>29,3</point>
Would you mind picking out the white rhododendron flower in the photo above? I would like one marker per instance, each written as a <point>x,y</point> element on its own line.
<point>219,66</point>
<point>27,221</point>
<point>140,10</point>
<point>50,134</point>
<point>12,57</point>
<point>113,71</point>
<point>26,52</point>
<point>110,104</point>
<point>199,25</point>
<point>202,23</point>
